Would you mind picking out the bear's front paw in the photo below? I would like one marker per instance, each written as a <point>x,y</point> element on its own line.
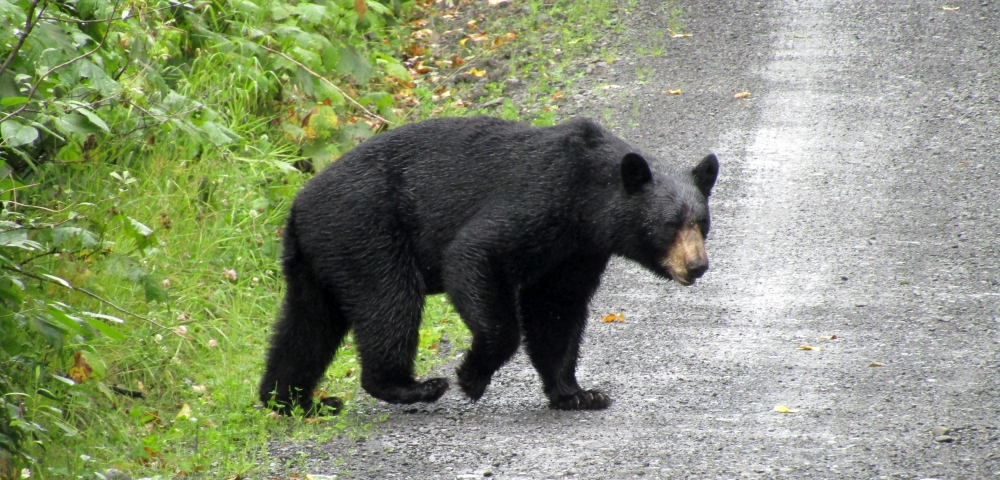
<point>432,389</point>
<point>582,400</point>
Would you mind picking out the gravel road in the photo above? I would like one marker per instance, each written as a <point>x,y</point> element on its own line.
<point>859,198</point>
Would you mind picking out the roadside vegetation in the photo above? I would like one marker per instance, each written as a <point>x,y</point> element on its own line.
<point>149,152</point>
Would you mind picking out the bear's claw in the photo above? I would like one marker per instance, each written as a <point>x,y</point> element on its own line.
<point>582,400</point>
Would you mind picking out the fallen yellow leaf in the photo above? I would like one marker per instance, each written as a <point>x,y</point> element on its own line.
<point>784,409</point>
<point>80,371</point>
<point>674,34</point>
<point>477,72</point>
<point>613,317</point>
<point>462,41</point>
<point>674,92</point>
<point>876,364</point>
<point>741,95</point>
<point>808,347</point>
<point>184,413</point>
<point>557,95</point>
<point>827,337</point>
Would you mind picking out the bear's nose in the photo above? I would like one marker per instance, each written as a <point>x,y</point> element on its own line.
<point>697,268</point>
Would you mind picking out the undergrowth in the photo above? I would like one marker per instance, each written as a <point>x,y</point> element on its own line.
<point>150,150</point>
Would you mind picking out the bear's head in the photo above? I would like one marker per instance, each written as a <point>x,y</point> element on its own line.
<point>668,216</point>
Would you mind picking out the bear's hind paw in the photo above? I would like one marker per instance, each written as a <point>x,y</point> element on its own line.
<point>582,400</point>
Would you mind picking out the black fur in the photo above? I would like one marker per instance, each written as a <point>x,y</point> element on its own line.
<point>515,223</point>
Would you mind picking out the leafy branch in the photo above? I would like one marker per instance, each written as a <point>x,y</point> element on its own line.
<point>28,27</point>
<point>34,86</point>
<point>65,284</point>
<point>323,79</point>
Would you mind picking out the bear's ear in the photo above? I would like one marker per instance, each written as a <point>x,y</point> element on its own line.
<point>635,172</point>
<point>705,174</point>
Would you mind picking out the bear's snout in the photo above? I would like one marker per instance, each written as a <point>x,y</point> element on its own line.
<point>697,268</point>
<point>687,260</point>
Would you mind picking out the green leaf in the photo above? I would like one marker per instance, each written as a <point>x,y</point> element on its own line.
<point>154,291</point>
<point>310,12</point>
<point>70,322</point>
<point>398,71</point>
<point>61,234</point>
<point>351,62</point>
<point>15,134</point>
<point>325,91</point>
<point>110,318</point>
<point>18,239</point>
<point>101,82</point>
<point>11,101</point>
<point>77,123</point>
<point>58,280</point>
<point>105,329</point>
<point>52,333</point>
<point>141,234</point>
<point>380,99</point>
<point>218,134</point>
<point>68,430</point>
<point>95,119</point>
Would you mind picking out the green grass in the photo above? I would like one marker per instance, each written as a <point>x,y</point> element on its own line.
<point>214,211</point>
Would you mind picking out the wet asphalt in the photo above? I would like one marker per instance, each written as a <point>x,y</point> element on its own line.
<point>859,198</point>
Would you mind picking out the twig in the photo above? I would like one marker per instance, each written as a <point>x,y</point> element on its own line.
<point>37,207</point>
<point>87,293</point>
<point>328,82</point>
<point>35,85</point>
<point>21,187</point>
<point>28,26</point>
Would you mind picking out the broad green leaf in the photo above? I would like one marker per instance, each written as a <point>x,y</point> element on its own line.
<point>141,234</point>
<point>280,12</point>
<point>70,322</point>
<point>77,123</point>
<point>351,62</point>
<point>380,99</point>
<point>10,11</point>
<point>100,80</point>
<point>398,71</point>
<point>61,234</point>
<point>11,101</point>
<point>105,329</point>
<point>218,134</point>
<point>52,333</point>
<point>18,239</point>
<point>154,291</point>
<point>94,119</point>
<point>15,134</point>
<point>310,12</point>
<point>326,92</point>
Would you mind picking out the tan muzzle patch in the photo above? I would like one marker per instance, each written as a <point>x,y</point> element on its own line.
<point>686,259</point>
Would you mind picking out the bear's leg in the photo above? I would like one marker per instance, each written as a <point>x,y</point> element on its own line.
<point>304,342</point>
<point>554,313</point>
<point>387,331</point>
<point>486,301</point>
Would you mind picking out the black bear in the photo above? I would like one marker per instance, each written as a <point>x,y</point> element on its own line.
<point>515,223</point>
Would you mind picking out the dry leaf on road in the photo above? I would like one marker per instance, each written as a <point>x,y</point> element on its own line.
<point>613,317</point>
